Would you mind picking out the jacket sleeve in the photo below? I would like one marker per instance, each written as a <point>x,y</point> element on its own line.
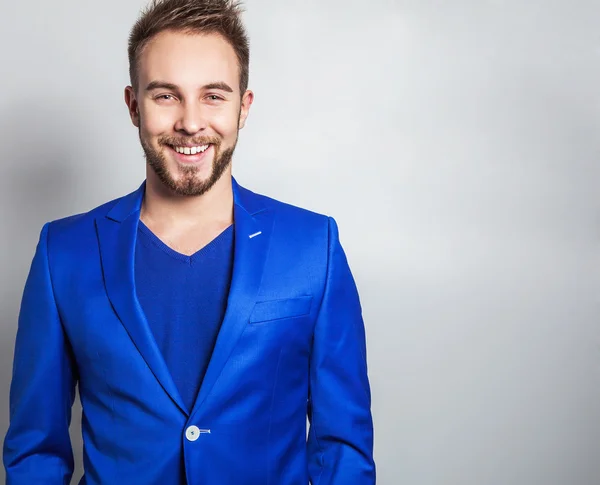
<point>340,439</point>
<point>37,447</point>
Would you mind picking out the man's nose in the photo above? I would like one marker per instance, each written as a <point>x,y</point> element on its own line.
<point>191,119</point>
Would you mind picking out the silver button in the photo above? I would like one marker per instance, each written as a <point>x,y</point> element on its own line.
<point>192,433</point>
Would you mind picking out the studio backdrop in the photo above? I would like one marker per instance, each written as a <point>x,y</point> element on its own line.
<point>456,143</point>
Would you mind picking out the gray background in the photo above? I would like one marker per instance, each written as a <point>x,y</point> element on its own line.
<point>457,145</point>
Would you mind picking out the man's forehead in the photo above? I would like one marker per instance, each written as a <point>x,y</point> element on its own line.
<point>174,43</point>
<point>177,54</point>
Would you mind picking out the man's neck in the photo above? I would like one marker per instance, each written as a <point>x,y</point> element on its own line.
<point>162,208</point>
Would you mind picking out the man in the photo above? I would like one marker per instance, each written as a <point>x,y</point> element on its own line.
<point>202,322</point>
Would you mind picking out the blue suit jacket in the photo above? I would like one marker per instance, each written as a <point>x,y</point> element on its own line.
<point>292,343</point>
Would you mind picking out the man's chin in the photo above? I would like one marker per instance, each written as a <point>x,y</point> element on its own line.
<point>190,189</point>
<point>189,184</point>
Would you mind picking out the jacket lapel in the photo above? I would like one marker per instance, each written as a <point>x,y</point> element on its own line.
<point>117,232</point>
<point>252,235</point>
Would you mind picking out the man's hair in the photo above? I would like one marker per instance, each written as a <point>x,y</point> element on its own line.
<point>221,17</point>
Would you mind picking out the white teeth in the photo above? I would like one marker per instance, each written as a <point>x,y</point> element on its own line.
<point>191,150</point>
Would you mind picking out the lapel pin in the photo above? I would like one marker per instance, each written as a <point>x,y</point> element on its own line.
<point>255,234</point>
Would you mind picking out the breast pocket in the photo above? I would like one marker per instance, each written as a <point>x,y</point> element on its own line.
<point>279,309</point>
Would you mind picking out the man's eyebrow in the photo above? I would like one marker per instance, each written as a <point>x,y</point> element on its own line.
<point>219,85</point>
<point>162,85</point>
<point>173,87</point>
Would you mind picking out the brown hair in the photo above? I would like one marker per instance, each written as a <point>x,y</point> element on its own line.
<point>221,17</point>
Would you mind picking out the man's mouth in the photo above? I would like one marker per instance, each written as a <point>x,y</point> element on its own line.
<point>186,150</point>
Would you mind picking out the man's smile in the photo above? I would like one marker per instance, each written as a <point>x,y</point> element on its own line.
<point>191,150</point>
<point>191,154</point>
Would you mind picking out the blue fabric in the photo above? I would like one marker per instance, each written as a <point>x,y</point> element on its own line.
<point>80,322</point>
<point>184,300</point>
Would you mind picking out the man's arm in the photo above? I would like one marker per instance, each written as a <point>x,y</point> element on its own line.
<point>340,440</point>
<point>37,448</point>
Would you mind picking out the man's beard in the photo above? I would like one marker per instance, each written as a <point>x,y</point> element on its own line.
<point>188,183</point>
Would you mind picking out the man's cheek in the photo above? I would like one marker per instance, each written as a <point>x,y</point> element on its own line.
<point>225,121</point>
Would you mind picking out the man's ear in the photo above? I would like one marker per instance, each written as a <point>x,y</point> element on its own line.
<point>247,101</point>
<point>132,106</point>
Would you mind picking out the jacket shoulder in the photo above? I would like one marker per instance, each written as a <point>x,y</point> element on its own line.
<point>286,211</point>
<point>75,228</point>
<point>293,226</point>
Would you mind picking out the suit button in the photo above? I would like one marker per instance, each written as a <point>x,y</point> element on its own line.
<point>192,433</point>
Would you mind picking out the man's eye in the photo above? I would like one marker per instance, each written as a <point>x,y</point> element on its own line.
<point>214,97</point>
<point>166,97</point>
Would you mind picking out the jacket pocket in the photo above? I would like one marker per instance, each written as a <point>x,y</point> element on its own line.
<point>278,309</point>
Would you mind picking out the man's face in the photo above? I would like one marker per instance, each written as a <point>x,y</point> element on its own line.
<point>188,109</point>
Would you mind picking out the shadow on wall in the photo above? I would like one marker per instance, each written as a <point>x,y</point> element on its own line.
<point>40,157</point>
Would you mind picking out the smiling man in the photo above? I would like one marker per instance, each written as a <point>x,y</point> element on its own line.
<point>202,322</point>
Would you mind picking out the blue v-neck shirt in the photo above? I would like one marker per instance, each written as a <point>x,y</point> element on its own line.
<point>184,299</point>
